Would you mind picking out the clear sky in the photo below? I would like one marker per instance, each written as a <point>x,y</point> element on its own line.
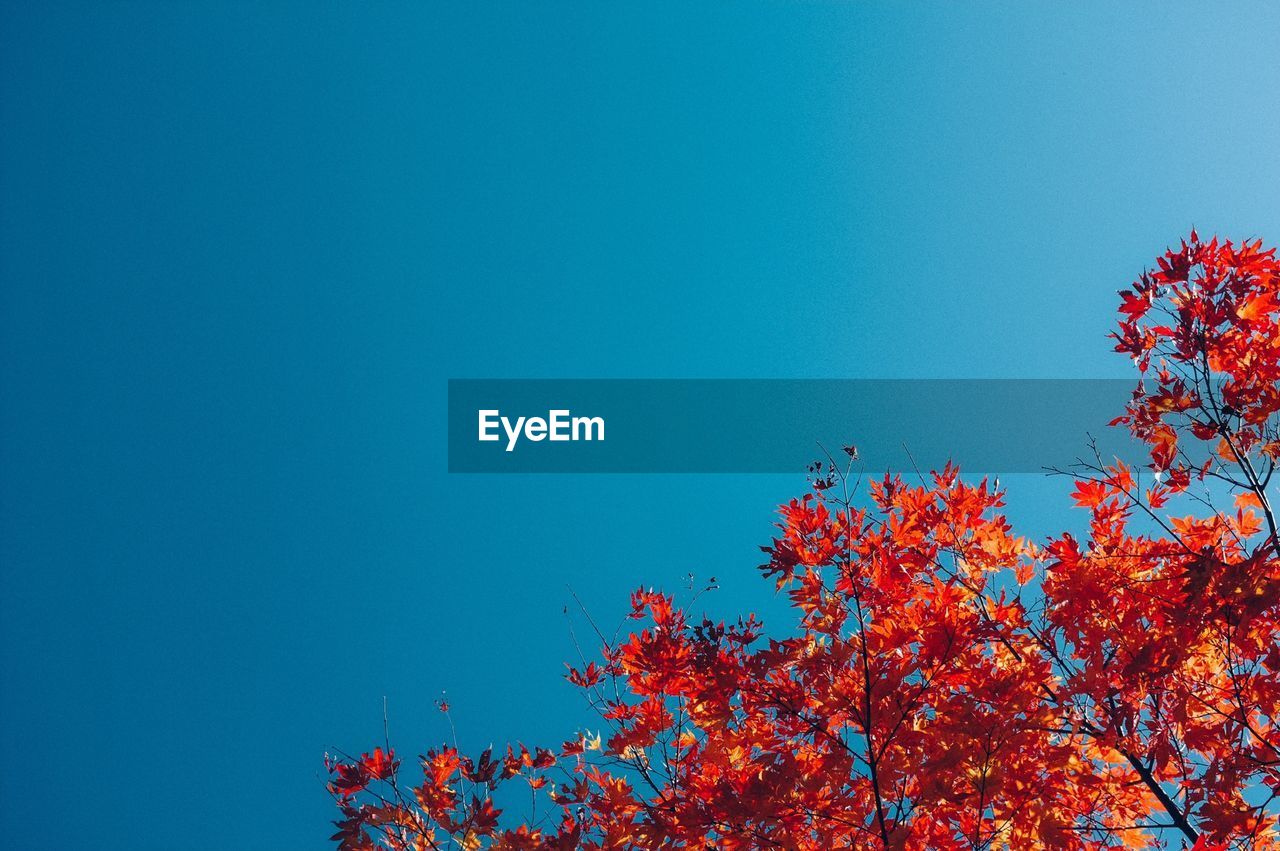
<point>243,247</point>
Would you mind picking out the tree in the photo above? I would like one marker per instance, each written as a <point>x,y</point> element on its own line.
<point>948,684</point>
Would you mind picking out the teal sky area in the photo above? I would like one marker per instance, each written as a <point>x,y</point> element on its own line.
<point>244,246</point>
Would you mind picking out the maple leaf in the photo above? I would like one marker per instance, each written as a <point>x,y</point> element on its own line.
<point>1203,844</point>
<point>1089,494</point>
<point>350,779</point>
<point>1257,306</point>
<point>1133,305</point>
<point>379,765</point>
<point>589,676</point>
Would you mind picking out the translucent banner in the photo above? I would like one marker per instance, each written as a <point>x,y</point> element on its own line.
<point>779,426</point>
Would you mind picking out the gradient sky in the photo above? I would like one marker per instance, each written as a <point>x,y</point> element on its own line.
<point>243,247</point>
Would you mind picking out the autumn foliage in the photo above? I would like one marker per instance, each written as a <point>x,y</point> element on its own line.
<point>948,684</point>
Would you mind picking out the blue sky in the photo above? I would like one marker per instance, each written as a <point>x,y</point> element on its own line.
<point>242,247</point>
